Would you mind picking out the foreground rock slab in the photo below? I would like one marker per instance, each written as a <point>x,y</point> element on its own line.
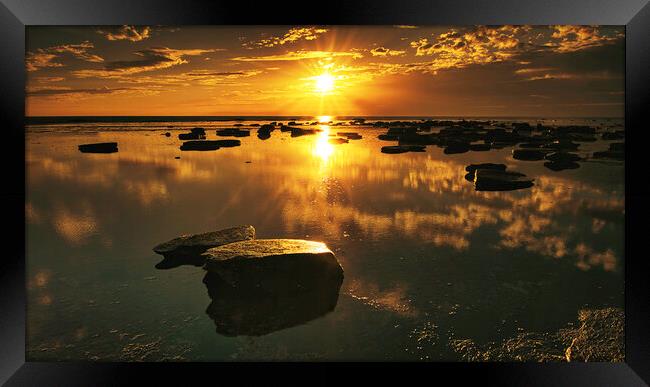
<point>274,265</point>
<point>191,246</point>
<point>102,147</point>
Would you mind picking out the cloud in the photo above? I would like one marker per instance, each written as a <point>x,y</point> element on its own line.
<point>128,33</point>
<point>406,27</point>
<point>37,60</point>
<point>44,57</point>
<point>299,55</point>
<point>49,79</point>
<point>383,51</point>
<point>202,77</point>
<point>292,36</point>
<point>480,45</point>
<point>52,91</point>
<point>150,59</point>
<point>551,76</point>
<point>575,38</point>
<point>532,70</point>
<point>75,94</point>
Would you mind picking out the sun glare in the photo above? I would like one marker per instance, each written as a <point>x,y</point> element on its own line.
<point>324,83</point>
<point>324,119</point>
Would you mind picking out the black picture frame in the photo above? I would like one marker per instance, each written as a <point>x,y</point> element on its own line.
<point>15,15</point>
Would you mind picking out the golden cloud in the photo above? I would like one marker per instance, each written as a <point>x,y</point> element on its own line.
<point>294,35</point>
<point>131,33</point>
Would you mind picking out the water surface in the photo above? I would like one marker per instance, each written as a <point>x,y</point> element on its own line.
<point>427,259</point>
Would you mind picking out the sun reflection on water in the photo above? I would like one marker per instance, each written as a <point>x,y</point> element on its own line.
<point>322,147</point>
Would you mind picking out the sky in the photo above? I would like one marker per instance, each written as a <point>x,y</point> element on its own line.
<point>469,71</point>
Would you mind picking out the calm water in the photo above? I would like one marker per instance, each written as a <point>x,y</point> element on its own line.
<point>427,259</point>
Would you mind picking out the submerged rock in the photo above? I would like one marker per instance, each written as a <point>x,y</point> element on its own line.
<point>101,147</point>
<point>253,311</point>
<point>617,147</point>
<point>498,180</point>
<point>618,135</point>
<point>272,263</point>
<point>599,338</point>
<point>194,245</point>
<point>394,149</point>
<point>561,165</point>
<point>608,154</point>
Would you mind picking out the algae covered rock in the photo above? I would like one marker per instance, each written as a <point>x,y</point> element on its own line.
<point>198,243</point>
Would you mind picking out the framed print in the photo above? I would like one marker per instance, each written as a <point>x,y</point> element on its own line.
<point>430,187</point>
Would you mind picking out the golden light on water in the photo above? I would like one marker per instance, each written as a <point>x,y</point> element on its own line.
<point>323,148</point>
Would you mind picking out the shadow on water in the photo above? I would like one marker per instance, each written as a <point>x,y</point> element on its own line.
<point>257,311</point>
<point>174,261</point>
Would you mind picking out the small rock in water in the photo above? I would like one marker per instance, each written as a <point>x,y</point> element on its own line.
<point>563,157</point>
<point>338,141</point>
<point>234,132</point>
<point>479,147</point>
<point>102,147</point>
<point>394,149</point>
<point>350,135</point>
<point>528,154</point>
<point>200,145</point>
<point>191,246</point>
<point>167,134</point>
<point>496,180</point>
<point>471,169</point>
<point>561,165</point>
<point>227,143</point>
<point>453,148</point>
<point>191,136</point>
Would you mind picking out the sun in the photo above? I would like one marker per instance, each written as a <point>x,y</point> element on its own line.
<point>324,83</point>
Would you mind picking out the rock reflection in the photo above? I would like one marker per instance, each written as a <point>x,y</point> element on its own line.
<point>250,311</point>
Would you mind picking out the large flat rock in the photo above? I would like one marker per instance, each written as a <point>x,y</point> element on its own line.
<point>288,265</point>
<point>194,245</point>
